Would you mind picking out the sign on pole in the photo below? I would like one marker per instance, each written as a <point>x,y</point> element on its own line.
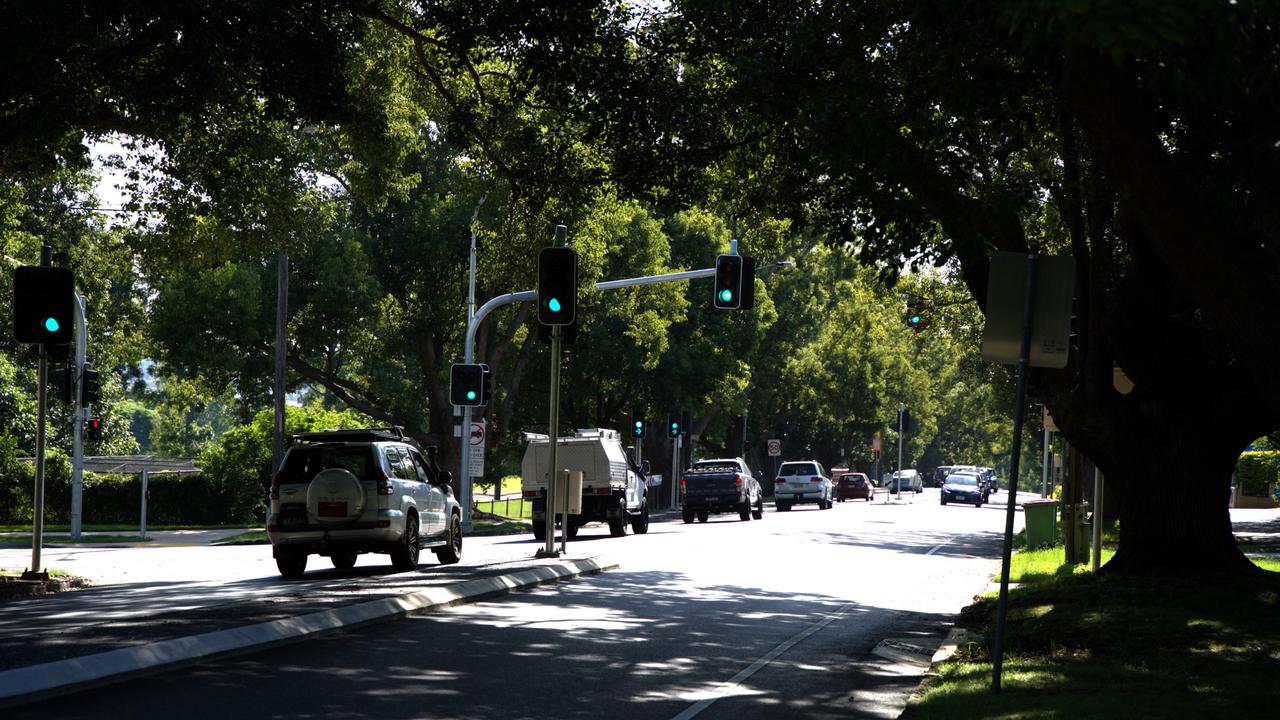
<point>877,442</point>
<point>1051,316</point>
<point>775,448</point>
<point>477,449</point>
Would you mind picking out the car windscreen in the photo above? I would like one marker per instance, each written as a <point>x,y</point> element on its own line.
<point>303,463</point>
<point>791,470</point>
<point>955,479</point>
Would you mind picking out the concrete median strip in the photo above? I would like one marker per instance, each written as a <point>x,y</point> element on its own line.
<point>27,684</point>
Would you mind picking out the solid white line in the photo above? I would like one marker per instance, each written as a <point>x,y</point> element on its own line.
<point>936,548</point>
<point>760,664</point>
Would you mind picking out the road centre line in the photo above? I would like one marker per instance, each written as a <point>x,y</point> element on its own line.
<point>755,667</point>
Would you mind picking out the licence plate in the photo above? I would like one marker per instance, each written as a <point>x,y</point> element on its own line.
<point>332,509</point>
<point>293,521</point>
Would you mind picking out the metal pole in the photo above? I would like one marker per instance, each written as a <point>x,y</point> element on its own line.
<point>468,354</point>
<point>1044,467</point>
<point>1020,394</point>
<point>675,481</point>
<point>77,422</point>
<point>142,530</point>
<point>564,515</point>
<point>278,389</point>
<point>1097,519</point>
<point>549,550</point>
<point>37,528</point>
<point>901,407</point>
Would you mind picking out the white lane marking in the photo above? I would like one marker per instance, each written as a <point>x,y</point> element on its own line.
<point>936,548</point>
<point>727,687</point>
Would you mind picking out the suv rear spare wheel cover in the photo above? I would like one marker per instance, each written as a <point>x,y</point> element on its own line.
<point>335,497</point>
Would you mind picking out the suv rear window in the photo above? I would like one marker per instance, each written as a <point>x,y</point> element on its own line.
<point>303,463</point>
<point>791,469</point>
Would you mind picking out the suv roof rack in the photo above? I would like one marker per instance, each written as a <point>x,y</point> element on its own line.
<point>394,433</point>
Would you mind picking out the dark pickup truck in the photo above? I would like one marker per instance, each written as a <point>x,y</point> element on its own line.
<point>720,486</point>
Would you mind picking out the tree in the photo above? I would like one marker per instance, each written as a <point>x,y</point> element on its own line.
<point>1127,137</point>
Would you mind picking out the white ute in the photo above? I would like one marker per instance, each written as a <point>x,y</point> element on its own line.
<point>613,489</point>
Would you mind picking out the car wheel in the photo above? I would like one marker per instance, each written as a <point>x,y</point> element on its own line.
<point>703,515</point>
<point>758,513</point>
<point>686,515</point>
<point>640,524</point>
<point>944,499</point>
<point>405,555</point>
<point>571,529</point>
<point>452,553</point>
<point>782,507</point>
<point>343,560</point>
<point>744,511</point>
<point>292,564</point>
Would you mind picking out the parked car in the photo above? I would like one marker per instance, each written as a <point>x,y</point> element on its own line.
<point>909,480</point>
<point>964,487</point>
<point>940,475</point>
<point>341,493</point>
<point>802,481</point>
<point>851,485</point>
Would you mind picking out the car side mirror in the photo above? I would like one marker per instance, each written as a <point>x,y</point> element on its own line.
<point>445,477</point>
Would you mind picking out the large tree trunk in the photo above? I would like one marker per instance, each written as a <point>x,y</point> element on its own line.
<point>1172,485</point>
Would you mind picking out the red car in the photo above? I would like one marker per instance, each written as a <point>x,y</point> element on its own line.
<point>852,485</point>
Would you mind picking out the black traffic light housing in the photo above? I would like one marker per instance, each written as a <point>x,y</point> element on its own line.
<point>93,430</point>
<point>60,383</point>
<point>557,285</point>
<point>88,386</point>
<point>467,384</point>
<point>638,426</point>
<point>673,426</point>
<point>43,304</point>
<point>914,317</point>
<point>728,286</point>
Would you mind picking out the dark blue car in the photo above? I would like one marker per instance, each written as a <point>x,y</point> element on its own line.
<point>964,487</point>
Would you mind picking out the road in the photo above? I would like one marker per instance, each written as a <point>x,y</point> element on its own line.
<point>774,618</point>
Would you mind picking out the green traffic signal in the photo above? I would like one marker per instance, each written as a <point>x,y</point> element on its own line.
<point>726,295</point>
<point>554,304</point>
<point>51,324</point>
<point>471,394</point>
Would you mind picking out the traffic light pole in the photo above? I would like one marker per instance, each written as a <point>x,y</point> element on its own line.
<point>37,527</point>
<point>549,550</point>
<point>79,416</point>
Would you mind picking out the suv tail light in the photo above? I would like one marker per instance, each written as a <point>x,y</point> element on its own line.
<point>817,478</point>
<point>275,485</point>
<point>382,481</point>
<point>779,481</point>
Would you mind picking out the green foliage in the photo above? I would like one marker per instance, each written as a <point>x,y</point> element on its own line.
<point>1258,472</point>
<point>240,464</point>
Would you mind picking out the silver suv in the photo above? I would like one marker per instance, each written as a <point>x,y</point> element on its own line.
<point>341,493</point>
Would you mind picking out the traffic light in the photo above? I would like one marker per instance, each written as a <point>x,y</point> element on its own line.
<point>43,304</point>
<point>60,383</point>
<point>915,315</point>
<point>673,426</point>
<point>93,430</point>
<point>467,384</point>
<point>728,291</point>
<point>557,285</point>
<point>88,386</point>
<point>637,427</point>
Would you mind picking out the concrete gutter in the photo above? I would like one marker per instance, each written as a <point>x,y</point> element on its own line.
<point>23,685</point>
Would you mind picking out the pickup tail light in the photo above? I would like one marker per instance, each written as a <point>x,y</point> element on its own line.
<point>683,484</point>
<point>532,493</point>
<point>381,480</point>
<point>737,480</point>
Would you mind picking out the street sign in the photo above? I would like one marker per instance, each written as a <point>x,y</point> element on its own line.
<point>877,442</point>
<point>477,450</point>
<point>1050,318</point>
<point>775,448</point>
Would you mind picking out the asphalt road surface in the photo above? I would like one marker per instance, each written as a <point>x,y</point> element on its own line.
<point>774,618</point>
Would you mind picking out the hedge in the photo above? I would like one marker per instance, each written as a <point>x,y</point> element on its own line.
<point>1257,472</point>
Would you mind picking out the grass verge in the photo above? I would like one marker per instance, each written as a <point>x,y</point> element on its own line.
<point>1084,646</point>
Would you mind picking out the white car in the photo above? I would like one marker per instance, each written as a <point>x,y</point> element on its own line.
<point>909,480</point>
<point>340,493</point>
<point>802,481</point>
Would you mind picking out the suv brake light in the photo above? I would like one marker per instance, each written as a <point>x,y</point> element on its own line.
<point>817,479</point>
<point>779,480</point>
<point>275,485</point>
<point>382,481</point>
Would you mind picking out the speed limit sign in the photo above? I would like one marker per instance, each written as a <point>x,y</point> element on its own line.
<point>775,448</point>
